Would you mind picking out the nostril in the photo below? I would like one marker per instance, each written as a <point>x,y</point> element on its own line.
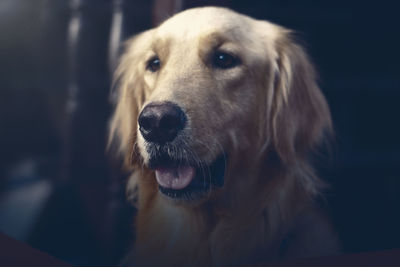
<point>147,122</point>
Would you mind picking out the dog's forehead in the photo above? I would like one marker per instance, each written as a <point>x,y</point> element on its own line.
<point>216,22</point>
<point>197,22</point>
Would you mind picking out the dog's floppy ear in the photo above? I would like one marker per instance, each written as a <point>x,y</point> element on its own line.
<point>299,114</point>
<point>128,96</point>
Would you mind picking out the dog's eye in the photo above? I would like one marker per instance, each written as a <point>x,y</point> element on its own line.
<point>224,60</point>
<point>154,64</point>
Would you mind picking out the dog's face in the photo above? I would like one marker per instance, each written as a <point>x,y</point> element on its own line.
<point>206,88</point>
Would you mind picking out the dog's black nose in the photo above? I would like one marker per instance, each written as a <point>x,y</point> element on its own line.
<point>161,122</point>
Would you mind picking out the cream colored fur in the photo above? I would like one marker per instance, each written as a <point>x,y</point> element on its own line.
<point>266,115</point>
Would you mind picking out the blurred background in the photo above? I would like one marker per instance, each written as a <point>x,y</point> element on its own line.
<point>60,192</point>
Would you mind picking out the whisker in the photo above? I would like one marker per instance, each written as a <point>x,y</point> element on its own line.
<point>207,167</point>
<point>203,167</point>
<point>223,154</point>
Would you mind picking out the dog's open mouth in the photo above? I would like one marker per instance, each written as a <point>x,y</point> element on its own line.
<point>183,180</point>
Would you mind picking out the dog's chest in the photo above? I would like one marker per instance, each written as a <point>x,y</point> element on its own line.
<point>172,236</point>
<point>182,237</point>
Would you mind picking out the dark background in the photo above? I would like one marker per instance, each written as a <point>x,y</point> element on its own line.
<point>60,193</point>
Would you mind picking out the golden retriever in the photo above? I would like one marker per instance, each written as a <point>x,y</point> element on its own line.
<point>215,115</point>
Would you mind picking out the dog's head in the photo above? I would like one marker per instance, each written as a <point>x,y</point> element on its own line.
<point>210,89</point>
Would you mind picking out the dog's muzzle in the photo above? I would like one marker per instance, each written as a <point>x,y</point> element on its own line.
<point>178,176</point>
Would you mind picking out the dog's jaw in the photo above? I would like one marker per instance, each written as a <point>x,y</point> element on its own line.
<point>188,183</point>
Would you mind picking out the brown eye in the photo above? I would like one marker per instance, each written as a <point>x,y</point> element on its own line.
<point>223,60</point>
<point>154,64</point>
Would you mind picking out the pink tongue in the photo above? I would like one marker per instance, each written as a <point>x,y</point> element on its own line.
<point>175,178</point>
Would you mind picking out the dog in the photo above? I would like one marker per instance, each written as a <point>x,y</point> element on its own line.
<point>216,115</point>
